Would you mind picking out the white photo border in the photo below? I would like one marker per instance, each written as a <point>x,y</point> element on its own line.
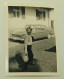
<point>7,73</point>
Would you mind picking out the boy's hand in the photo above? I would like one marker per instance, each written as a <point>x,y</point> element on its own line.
<point>26,52</point>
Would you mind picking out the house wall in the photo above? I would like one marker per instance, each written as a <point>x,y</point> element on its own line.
<point>30,18</point>
<point>51,17</point>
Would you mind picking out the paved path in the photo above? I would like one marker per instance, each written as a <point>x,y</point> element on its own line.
<point>45,60</point>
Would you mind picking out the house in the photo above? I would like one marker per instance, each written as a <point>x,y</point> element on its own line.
<point>20,16</point>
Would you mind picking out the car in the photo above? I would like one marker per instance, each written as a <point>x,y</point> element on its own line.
<point>38,31</point>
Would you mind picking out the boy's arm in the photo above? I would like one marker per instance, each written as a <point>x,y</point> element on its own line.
<point>25,44</point>
<point>33,39</point>
<point>25,49</point>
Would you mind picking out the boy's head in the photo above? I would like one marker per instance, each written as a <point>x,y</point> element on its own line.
<point>29,30</point>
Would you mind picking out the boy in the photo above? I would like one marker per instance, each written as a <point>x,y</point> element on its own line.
<point>28,45</point>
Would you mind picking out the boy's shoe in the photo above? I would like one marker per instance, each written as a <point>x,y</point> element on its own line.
<point>31,64</point>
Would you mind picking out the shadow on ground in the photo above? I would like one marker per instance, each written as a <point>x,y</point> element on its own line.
<point>17,64</point>
<point>53,49</point>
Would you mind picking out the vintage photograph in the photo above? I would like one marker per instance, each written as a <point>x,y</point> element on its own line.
<point>31,39</point>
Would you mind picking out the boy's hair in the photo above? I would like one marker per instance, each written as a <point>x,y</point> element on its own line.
<point>29,27</point>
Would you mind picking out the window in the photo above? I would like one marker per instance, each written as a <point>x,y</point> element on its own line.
<point>44,15</point>
<point>38,15</point>
<point>19,11</point>
<point>52,24</point>
<point>23,12</point>
<point>18,14</point>
<point>14,14</point>
<point>10,11</point>
<point>15,11</point>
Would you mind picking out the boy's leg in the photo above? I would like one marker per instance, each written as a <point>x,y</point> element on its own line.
<point>30,55</point>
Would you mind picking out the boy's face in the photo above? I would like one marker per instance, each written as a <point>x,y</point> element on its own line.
<point>29,31</point>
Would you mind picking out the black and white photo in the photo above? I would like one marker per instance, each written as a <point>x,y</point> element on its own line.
<point>31,40</point>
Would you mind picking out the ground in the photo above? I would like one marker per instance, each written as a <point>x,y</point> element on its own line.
<point>44,58</point>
